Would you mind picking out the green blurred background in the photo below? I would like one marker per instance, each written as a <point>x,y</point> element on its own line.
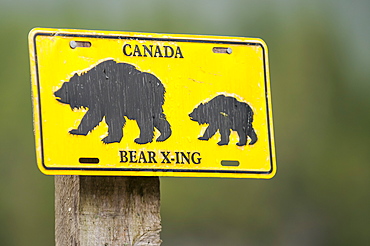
<point>319,62</point>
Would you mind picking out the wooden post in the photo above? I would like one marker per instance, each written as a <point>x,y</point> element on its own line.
<point>107,211</point>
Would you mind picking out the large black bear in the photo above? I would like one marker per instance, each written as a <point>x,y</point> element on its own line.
<point>115,90</point>
<point>224,114</point>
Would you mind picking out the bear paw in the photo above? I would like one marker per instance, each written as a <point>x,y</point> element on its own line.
<point>162,138</point>
<point>203,138</point>
<point>142,141</point>
<point>241,144</point>
<point>108,140</point>
<point>77,132</point>
<point>222,143</point>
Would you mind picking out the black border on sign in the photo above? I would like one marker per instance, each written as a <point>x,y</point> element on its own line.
<point>151,39</point>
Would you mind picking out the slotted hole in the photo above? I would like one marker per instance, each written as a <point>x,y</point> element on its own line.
<point>75,44</point>
<point>89,160</point>
<point>230,163</point>
<point>222,50</point>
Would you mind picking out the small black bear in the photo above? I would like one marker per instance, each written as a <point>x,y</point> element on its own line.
<point>224,114</point>
<point>114,91</point>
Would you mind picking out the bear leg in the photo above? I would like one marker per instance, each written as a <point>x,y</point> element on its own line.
<point>91,119</point>
<point>242,137</point>
<point>252,134</point>
<point>163,127</point>
<point>146,130</point>
<point>210,131</point>
<point>115,125</point>
<point>225,134</point>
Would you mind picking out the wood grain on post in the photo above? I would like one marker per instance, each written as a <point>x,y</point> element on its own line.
<point>107,211</point>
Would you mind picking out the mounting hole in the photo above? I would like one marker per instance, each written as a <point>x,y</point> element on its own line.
<point>230,163</point>
<point>74,44</point>
<point>223,50</point>
<point>89,160</point>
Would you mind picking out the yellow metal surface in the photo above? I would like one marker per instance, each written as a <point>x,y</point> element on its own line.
<point>192,72</point>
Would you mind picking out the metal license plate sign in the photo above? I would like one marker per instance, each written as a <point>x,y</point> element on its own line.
<point>146,104</point>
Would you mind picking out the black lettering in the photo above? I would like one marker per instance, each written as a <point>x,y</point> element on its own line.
<point>196,160</point>
<point>187,158</point>
<point>142,157</point>
<point>177,158</point>
<point>158,51</point>
<point>165,157</point>
<point>123,156</point>
<point>147,50</point>
<point>178,52</point>
<point>181,156</point>
<point>151,155</point>
<point>168,51</point>
<point>133,156</point>
<point>137,51</point>
<point>125,51</point>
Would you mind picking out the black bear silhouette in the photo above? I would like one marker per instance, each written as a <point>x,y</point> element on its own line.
<point>224,114</point>
<point>114,91</point>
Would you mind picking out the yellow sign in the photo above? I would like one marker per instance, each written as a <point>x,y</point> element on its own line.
<point>146,104</point>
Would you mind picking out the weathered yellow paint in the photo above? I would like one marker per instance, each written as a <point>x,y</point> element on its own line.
<point>198,77</point>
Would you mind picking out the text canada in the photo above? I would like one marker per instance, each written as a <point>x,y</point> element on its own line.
<point>152,51</point>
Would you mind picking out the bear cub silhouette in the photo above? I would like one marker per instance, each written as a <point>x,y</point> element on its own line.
<point>115,91</point>
<point>223,114</point>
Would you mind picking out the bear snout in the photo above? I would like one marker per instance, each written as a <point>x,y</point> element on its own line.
<point>57,93</point>
<point>191,115</point>
<point>61,95</point>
